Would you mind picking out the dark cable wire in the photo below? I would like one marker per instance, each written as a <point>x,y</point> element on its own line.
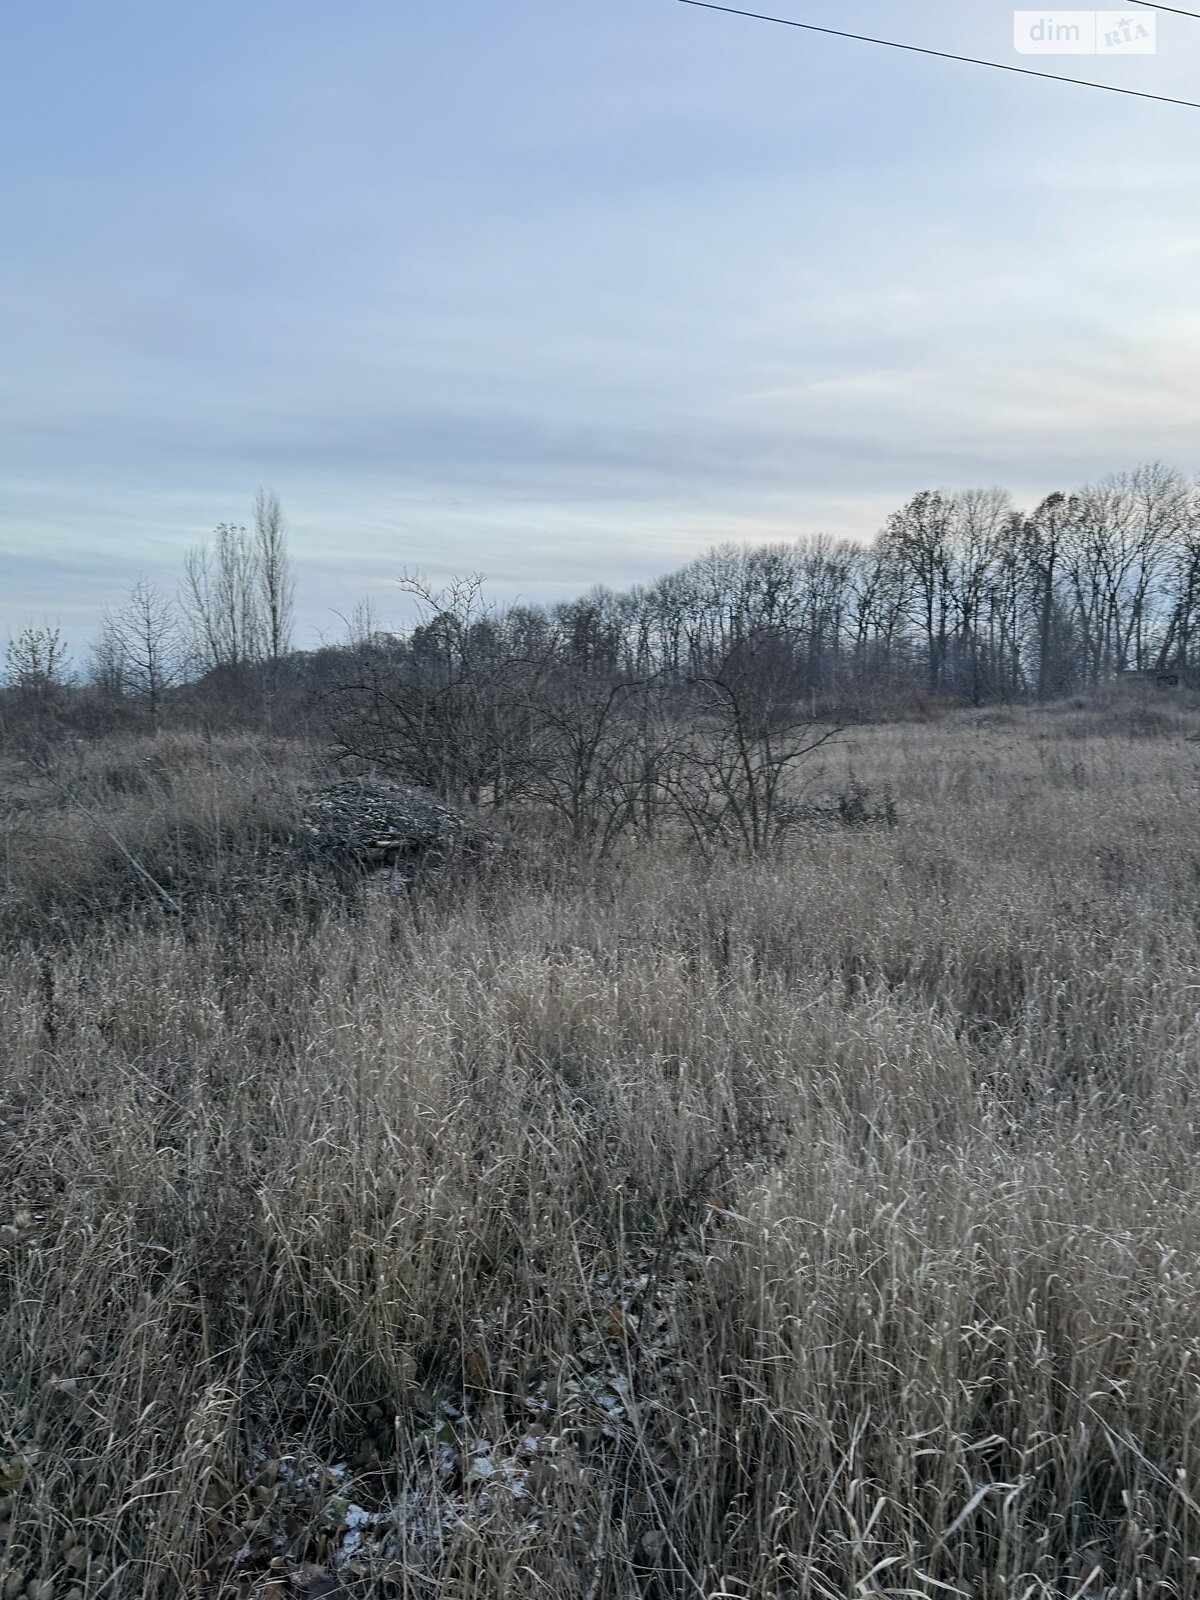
<point>943,55</point>
<point>1178,11</point>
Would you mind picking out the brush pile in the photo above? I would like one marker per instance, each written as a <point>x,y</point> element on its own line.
<point>371,826</point>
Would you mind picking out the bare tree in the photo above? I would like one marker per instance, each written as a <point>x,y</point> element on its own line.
<point>141,646</point>
<point>35,661</point>
<point>1045,534</point>
<point>276,586</point>
<point>819,600</point>
<point>1108,513</point>
<point>1006,599</point>
<point>922,537</point>
<point>1163,507</point>
<point>879,598</point>
<point>106,672</point>
<point>1185,589</point>
<point>980,517</point>
<point>222,599</point>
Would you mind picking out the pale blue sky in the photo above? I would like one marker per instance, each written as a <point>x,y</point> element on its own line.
<point>562,292</point>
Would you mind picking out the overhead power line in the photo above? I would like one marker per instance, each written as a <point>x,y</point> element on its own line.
<point>1176,11</point>
<point>945,55</point>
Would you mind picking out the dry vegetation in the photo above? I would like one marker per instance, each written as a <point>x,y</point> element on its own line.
<point>822,1226</point>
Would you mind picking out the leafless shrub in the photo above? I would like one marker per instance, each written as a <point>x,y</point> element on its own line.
<point>750,733</point>
<point>445,710</point>
<point>598,756</point>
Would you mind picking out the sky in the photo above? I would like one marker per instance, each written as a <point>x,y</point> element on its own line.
<point>563,292</point>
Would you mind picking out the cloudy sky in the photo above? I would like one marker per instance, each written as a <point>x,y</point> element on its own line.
<point>562,292</point>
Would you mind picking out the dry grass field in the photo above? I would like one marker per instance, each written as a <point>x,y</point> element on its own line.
<point>826,1225</point>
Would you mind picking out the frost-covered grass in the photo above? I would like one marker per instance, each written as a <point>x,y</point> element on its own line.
<point>825,1226</point>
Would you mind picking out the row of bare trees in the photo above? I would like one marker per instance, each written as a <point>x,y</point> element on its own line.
<point>701,696</point>
<point>224,635</point>
<point>960,595</point>
<point>231,617</point>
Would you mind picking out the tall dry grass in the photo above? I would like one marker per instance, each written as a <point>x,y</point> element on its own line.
<point>827,1226</point>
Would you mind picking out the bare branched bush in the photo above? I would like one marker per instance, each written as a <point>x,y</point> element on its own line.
<point>445,709</point>
<point>600,750</point>
<point>749,733</point>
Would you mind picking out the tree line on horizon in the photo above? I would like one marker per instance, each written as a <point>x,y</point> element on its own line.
<point>959,597</point>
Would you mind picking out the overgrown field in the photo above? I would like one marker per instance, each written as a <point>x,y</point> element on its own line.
<point>822,1225</point>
